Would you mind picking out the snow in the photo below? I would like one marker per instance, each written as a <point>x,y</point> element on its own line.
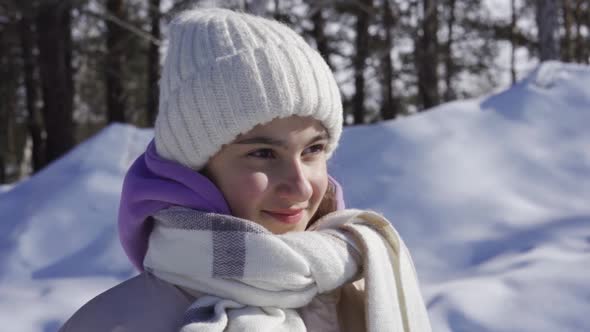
<point>490,194</point>
<point>5,187</point>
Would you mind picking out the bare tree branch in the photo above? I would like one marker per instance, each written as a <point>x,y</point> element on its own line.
<point>125,25</point>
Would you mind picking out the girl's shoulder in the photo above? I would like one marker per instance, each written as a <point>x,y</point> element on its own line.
<point>142,303</point>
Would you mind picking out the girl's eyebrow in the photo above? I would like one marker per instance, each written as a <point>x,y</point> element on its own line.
<point>276,142</point>
<point>322,136</point>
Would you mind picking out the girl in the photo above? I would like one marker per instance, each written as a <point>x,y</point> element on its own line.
<point>230,214</point>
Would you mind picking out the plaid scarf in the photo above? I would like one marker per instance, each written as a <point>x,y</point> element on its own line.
<point>255,280</point>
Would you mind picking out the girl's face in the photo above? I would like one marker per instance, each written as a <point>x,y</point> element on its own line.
<point>275,174</point>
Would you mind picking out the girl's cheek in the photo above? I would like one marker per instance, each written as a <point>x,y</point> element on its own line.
<point>320,184</point>
<point>252,185</point>
<point>318,173</point>
<point>318,177</point>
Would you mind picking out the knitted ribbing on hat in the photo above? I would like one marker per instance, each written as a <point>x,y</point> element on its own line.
<point>226,72</point>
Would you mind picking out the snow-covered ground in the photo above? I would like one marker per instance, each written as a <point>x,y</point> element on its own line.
<point>492,196</point>
<point>5,187</point>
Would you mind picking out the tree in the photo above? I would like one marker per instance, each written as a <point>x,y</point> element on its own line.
<point>318,33</point>
<point>54,41</point>
<point>546,18</point>
<point>153,62</point>
<point>117,39</point>
<point>587,40</point>
<point>34,120</point>
<point>359,61</point>
<point>389,106</point>
<point>257,7</point>
<point>448,56</point>
<point>427,55</point>
<point>581,15</point>
<point>8,96</point>
<point>513,40</point>
<point>277,15</point>
<point>567,45</point>
<point>469,49</point>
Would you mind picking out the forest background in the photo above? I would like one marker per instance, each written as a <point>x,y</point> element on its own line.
<point>68,68</point>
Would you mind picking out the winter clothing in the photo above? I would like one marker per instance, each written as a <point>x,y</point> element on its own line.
<point>255,280</point>
<point>225,72</point>
<point>141,304</point>
<point>154,183</point>
<point>148,304</point>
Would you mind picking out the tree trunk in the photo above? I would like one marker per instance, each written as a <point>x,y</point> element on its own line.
<point>6,96</point>
<point>3,110</point>
<point>546,17</point>
<point>34,121</point>
<point>449,63</point>
<point>581,49</point>
<point>277,13</point>
<point>2,169</point>
<point>513,41</point>
<point>115,58</point>
<point>567,53</point>
<point>428,56</point>
<point>389,107</point>
<point>319,24</point>
<point>257,7</point>
<point>54,41</point>
<point>360,59</point>
<point>587,60</point>
<point>153,63</point>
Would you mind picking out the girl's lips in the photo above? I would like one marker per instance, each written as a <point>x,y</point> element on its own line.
<point>287,217</point>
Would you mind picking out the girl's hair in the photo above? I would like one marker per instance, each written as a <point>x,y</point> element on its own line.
<point>327,205</point>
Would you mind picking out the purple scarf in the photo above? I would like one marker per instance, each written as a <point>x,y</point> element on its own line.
<point>154,183</point>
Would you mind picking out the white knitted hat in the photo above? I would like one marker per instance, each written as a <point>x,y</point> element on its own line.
<point>226,72</point>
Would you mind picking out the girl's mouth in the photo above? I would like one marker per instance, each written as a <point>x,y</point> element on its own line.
<point>286,216</point>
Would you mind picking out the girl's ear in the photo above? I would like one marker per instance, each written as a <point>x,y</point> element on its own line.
<point>327,205</point>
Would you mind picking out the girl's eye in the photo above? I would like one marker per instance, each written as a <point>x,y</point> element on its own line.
<point>262,154</point>
<point>317,148</point>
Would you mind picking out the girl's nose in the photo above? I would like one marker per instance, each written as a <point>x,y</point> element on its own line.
<point>293,185</point>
